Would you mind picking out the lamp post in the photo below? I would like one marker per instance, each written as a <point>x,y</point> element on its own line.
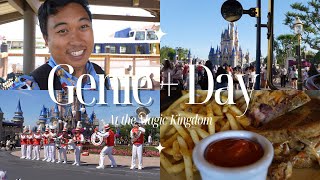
<point>74,122</point>
<point>298,29</point>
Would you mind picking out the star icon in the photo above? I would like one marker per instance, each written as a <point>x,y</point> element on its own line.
<point>159,147</point>
<point>160,33</point>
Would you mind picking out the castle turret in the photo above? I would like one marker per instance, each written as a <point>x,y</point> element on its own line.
<point>18,115</point>
<point>189,57</point>
<point>56,113</point>
<point>233,58</point>
<point>232,31</point>
<point>43,117</point>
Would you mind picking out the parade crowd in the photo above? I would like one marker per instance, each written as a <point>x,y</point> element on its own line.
<point>178,73</point>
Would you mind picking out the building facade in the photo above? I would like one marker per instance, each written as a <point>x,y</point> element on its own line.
<point>11,129</point>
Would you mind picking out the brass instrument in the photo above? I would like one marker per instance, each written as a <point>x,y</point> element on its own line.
<point>96,140</point>
<point>135,136</point>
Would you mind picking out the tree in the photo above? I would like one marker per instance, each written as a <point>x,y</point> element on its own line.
<point>182,53</point>
<point>316,58</point>
<point>167,53</point>
<point>281,45</point>
<point>309,15</point>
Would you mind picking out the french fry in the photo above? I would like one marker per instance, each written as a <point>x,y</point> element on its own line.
<point>179,139</point>
<point>217,109</point>
<point>232,121</point>
<point>177,168</point>
<point>244,121</point>
<point>163,129</point>
<point>171,131</point>
<point>184,134</point>
<point>226,126</point>
<point>164,161</point>
<point>177,102</point>
<point>186,157</point>
<point>188,114</point>
<point>194,135</point>
<point>176,151</point>
<point>202,133</point>
<point>169,141</point>
<point>211,125</point>
<point>240,102</point>
<point>225,108</point>
<point>168,151</point>
<point>243,107</point>
<point>236,110</point>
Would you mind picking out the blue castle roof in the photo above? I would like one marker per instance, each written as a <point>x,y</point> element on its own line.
<point>18,110</point>
<point>18,114</point>
<point>1,110</point>
<point>92,116</point>
<point>56,109</point>
<point>43,111</point>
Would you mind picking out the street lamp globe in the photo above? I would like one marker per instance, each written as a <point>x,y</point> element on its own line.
<point>298,26</point>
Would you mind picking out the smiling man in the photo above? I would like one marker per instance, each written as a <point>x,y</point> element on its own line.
<point>66,26</point>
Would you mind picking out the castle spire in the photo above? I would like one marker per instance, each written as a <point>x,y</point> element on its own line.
<point>18,115</point>
<point>56,109</point>
<point>18,110</point>
<point>43,111</point>
<point>1,111</point>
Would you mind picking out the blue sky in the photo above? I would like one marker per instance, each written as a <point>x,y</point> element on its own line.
<point>32,102</point>
<point>197,25</point>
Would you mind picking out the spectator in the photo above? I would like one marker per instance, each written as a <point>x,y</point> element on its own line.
<point>165,71</point>
<point>224,79</point>
<point>149,139</point>
<point>283,76</point>
<point>204,79</point>
<point>294,77</point>
<point>313,71</point>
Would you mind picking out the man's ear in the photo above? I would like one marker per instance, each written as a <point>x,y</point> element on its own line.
<point>45,40</point>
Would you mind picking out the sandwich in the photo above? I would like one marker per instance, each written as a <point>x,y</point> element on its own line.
<point>268,105</point>
<point>295,136</point>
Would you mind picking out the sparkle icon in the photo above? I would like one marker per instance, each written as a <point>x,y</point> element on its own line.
<point>159,147</point>
<point>160,33</point>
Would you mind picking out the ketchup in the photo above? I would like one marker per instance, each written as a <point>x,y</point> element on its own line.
<point>233,152</point>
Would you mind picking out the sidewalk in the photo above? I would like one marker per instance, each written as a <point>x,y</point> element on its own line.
<point>94,159</point>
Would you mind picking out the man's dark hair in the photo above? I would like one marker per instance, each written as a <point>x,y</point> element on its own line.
<point>50,7</point>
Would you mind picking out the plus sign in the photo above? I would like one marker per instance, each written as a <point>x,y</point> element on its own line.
<point>169,84</point>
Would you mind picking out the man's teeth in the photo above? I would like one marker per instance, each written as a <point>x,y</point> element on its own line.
<point>77,53</point>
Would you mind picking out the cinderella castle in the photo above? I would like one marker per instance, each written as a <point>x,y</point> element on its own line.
<point>69,114</point>
<point>55,116</point>
<point>10,129</point>
<point>229,51</point>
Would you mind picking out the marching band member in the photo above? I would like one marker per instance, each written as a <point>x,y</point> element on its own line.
<point>52,145</point>
<point>29,144</point>
<point>45,138</point>
<point>23,142</point>
<point>64,139</point>
<point>36,144</point>
<point>78,140</point>
<point>137,136</point>
<point>109,139</point>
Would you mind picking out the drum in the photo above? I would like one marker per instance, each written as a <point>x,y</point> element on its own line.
<point>96,140</point>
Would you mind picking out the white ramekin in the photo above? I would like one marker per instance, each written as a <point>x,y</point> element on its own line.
<point>255,171</point>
